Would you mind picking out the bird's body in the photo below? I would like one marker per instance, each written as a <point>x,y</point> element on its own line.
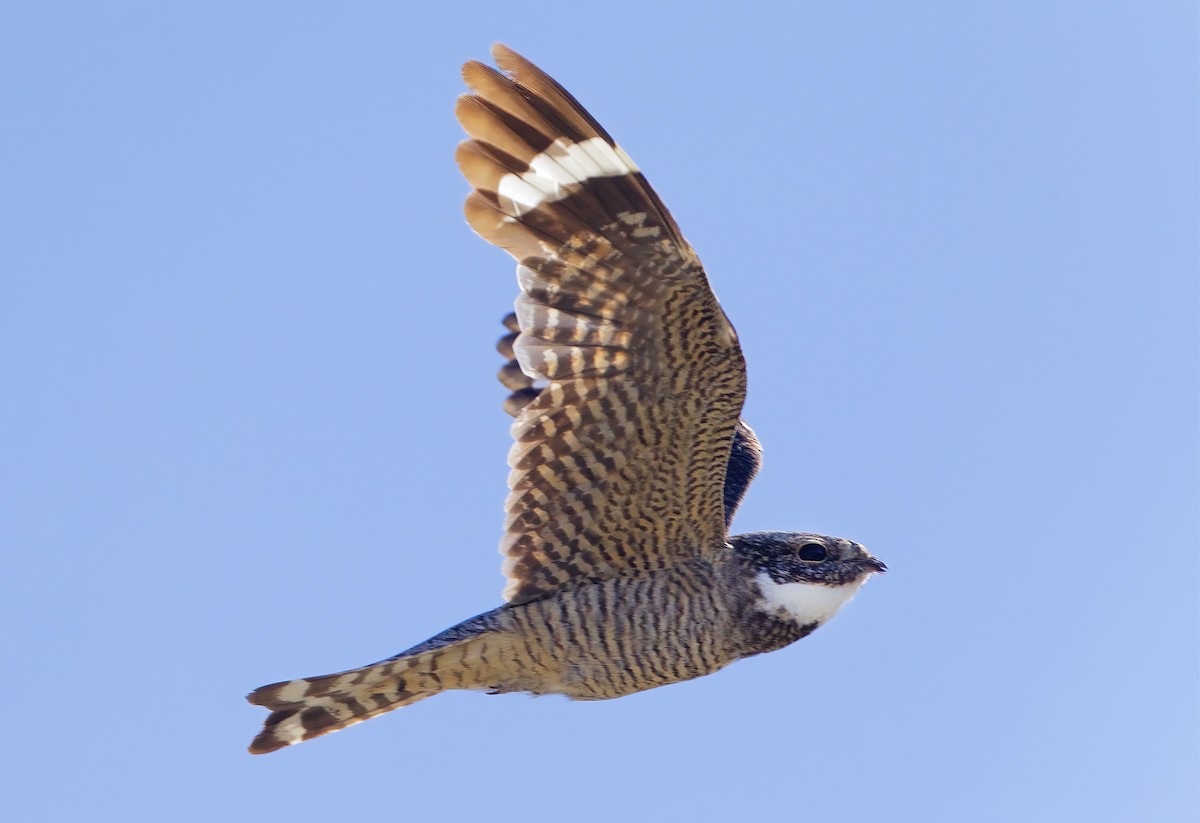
<point>629,458</point>
<point>593,641</point>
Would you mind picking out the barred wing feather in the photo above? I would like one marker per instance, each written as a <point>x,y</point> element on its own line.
<point>621,447</point>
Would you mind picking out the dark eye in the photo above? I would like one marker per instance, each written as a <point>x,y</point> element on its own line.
<point>813,552</point>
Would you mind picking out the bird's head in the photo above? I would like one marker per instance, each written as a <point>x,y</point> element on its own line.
<point>807,576</point>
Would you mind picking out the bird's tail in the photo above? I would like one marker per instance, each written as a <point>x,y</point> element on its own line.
<point>312,706</point>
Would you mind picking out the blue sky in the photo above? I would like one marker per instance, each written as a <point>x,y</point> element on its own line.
<point>251,428</point>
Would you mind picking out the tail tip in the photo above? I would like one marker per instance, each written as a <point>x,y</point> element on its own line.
<point>283,728</point>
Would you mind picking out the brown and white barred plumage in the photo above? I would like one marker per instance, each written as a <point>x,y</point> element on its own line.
<point>592,642</point>
<point>628,458</point>
<point>642,374</point>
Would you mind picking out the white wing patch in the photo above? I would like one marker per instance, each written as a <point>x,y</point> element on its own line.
<point>562,164</point>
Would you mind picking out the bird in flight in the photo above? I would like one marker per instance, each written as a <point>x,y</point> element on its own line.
<point>629,458</point>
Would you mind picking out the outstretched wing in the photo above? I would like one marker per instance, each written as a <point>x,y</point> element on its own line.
<point>745,456</point>
<point>619,462</point>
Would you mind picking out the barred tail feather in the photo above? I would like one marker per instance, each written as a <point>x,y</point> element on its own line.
<point>310,707</point>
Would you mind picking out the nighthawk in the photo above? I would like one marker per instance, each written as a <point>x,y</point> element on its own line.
<point>629,458</point>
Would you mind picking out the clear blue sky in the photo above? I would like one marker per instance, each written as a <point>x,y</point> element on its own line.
<point>251,429</point>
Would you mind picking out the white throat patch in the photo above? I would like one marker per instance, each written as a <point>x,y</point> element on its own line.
<point>805,602</point>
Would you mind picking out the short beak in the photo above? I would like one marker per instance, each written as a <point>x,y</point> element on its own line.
<point>876,565</point>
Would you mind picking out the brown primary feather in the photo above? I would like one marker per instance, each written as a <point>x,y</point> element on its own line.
<point>575,121</point>
<point>619,462</point>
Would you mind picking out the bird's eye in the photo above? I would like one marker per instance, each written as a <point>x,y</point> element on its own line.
<point>813,552</point>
